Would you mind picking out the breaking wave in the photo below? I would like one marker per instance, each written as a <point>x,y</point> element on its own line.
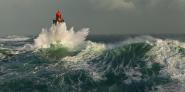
<point>56,64</point>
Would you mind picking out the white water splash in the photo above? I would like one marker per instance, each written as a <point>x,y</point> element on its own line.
<point>58,34</point>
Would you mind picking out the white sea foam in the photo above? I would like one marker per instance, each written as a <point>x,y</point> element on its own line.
<point>166,52</point>
<point>13,38</point>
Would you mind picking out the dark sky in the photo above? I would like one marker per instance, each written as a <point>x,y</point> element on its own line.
<point>27,17</point>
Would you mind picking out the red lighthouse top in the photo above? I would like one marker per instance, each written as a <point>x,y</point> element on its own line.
<point>58,14</point>
<point>58,17</point>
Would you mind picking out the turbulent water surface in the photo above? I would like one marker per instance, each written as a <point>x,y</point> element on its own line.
<point>137,64</point>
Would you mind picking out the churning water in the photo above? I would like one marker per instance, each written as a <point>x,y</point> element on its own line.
<point>61,60</point>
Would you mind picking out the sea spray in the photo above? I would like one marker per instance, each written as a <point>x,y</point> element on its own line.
<point>59,34</point>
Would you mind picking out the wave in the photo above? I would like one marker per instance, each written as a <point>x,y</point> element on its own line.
<point>61,60</point>
<point>141,64</point>
<point>14,38</point>
<point>91,51</point>
<point>170,53</point>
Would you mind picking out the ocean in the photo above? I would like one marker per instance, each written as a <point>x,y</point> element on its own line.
<point>106,63</point>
